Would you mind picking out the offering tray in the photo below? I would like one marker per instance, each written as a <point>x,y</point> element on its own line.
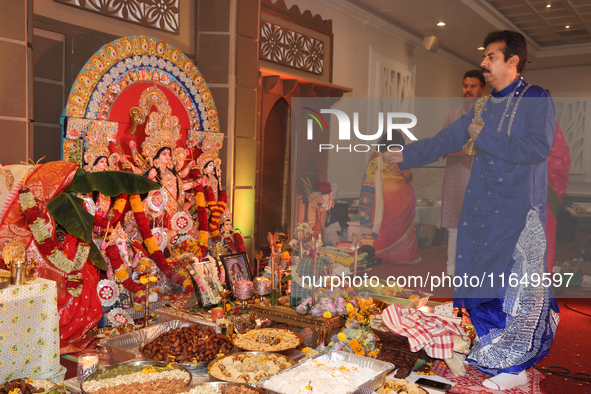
<point>136,363</point>
<point>183,342</point>
<point>288,315</point>
<point>381,369</point>
<point>271,332</point>
<point>261,354</point>
<point>225,384</point>
<point>125,347</point>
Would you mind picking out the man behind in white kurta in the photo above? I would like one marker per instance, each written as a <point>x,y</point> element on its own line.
<point>457,169</point>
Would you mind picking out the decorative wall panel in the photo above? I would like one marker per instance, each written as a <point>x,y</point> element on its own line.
<point>157,14</point>
<point>290,48</point>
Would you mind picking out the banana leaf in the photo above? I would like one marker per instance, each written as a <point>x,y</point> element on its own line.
<point>96,257</point>
<point>111,183</point>
<point>68,211</point>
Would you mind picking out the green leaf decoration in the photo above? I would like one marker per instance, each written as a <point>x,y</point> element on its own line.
<point>68,211</point>
<point>111,183</point>
<point>96,257</point>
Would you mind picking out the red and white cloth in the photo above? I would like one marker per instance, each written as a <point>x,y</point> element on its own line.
<point>432,333</point>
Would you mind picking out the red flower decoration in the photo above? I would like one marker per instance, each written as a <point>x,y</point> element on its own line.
<point>323,187</point>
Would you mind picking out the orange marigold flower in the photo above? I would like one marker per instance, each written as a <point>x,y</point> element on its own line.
<point>357,348</point>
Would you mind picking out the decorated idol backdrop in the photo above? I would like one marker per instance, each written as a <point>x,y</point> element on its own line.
<point>139,191</point>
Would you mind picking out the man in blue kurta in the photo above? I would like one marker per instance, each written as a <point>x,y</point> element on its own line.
<point>501,229</point>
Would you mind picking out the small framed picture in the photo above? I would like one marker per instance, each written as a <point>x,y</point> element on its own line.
<point>237,268</point>
<point>206,277</point>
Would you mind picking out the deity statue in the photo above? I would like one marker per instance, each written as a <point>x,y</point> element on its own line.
<point>97,158</point>
<point>161,160</point>
<point>232,240</point>
<point>210,165</point>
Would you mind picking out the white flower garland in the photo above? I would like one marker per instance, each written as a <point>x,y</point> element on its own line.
<point>41,234</point>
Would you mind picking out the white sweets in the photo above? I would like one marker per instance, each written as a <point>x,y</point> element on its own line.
<point>323,377</point>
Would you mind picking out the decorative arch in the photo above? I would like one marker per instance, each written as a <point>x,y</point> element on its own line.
<point>113,80</point>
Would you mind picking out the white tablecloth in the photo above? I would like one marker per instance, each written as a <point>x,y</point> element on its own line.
<point>428,214</point>
<point>29,331</point>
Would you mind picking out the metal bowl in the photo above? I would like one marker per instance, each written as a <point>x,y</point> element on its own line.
<point>284,351</point>
<point>219,359</point>
<point>226,384</point>
<point>136,363</point>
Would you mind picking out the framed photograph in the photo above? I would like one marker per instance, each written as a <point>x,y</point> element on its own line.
<point>237,268</point>
<point>206,278</point>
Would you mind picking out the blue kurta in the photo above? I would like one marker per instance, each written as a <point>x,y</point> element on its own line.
<point>501,228</point>
<point>509,177</point>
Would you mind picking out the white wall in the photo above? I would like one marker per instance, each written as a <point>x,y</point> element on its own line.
<point>437,75</point>
<point>355,31</point>
<point>562,82</point>
<point>571,89</point>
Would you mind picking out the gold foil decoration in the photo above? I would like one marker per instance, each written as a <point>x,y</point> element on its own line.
<point>14,253</point>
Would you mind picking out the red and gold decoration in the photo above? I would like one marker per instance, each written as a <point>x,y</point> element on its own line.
<point>46,245</point>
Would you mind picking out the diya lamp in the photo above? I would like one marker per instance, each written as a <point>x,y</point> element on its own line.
<point>87,364</point>
<point>244,291</point>
<point>145,280</point>
<point>262,286</point>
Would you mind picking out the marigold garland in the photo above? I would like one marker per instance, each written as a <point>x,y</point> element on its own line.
<point>120,270</point>
<point>202,218</point>
<point>101,222</point>
<point>149,241</point>
<point>239,243</point>
<point>217,210</point>
<point>47,246</point>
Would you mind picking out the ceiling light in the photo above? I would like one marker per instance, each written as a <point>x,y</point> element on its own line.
<point>549,5</point>
<point>567,26</point>
<point>481,48</point>
<point>441,24</point>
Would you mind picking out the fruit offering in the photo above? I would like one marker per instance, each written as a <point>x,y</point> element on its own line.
<point>190,344</point>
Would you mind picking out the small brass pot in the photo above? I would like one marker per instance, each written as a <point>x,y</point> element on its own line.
<point>18,274</point>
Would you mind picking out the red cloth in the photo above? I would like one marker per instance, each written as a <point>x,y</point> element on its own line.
<point>77,314</point>
<point>431,333</point>
<point>559,164</point>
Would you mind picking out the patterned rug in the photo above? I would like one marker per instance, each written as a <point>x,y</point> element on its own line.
<point>471,381</point>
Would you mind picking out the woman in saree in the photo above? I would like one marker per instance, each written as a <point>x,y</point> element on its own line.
<point>387,205</point>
